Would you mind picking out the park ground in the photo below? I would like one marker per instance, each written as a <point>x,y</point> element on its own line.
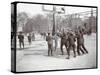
<point>34,57</point>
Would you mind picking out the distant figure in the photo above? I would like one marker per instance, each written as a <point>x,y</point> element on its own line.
<point>44,35</point>
<point>21,39</point>
<point>29,38</point>
<point>71,39</point>
<point>33,37</point>
<point>41,34</point>
<point>49,40</point>
<point>80,43</point>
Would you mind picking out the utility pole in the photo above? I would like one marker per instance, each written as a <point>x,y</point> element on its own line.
<point>54,11</point>
<point>54,25</point>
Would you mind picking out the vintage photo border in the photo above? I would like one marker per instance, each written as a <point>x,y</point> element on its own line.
<point>15,14</point>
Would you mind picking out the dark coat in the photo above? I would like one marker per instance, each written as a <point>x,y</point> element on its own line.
<point>21,37</point>
<point>49,39</point>
<point>71,39</point>
<point>80,38</point>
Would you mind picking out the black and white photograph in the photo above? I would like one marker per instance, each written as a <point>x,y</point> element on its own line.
<point>55,37</point>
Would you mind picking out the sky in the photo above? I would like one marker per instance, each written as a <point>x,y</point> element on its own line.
<point>34,9</point>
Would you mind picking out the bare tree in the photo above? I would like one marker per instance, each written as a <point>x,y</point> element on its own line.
<point>21,19</point>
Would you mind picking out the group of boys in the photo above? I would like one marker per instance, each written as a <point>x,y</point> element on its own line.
<point>68,39</point>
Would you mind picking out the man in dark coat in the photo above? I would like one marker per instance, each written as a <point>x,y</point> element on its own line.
<point>21,39</point>
<point>80,42</point>
<point>64,41</point>
<point>49,40</point>
<point>29,38</point>
<point>71,39</point>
